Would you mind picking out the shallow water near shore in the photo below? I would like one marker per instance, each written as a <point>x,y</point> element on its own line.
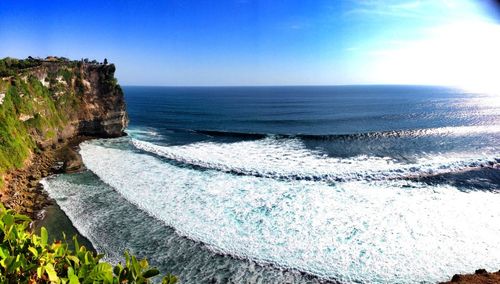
<point>57,222</point>
<point>298,185</point>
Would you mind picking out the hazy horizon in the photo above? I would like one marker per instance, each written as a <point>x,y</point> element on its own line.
<point>289,85</point>
<point>258,43</point>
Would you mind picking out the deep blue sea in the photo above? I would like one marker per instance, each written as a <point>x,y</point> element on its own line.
<point>363,184</point>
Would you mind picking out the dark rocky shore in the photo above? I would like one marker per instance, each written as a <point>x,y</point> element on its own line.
<point>25,194</point>
<point>23,191</point>
<point>481,276</point>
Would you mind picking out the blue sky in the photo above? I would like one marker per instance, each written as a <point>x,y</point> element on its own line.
<point>249,42</point>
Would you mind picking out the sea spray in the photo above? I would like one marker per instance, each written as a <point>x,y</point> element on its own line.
<point>353,231</point>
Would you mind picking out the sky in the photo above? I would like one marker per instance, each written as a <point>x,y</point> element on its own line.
<point>265,42</point>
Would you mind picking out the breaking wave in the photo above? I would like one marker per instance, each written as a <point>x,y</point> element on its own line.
<point>354,231</point>
<point>410,133</point>
<point>290,159</point>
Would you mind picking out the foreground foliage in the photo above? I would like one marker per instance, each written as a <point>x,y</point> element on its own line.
<point>28,258</point>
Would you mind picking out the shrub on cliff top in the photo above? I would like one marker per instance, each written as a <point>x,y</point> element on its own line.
<point>28,258</point>
<point>10,66</point>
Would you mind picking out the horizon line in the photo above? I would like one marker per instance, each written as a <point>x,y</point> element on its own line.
<point>285,85</point>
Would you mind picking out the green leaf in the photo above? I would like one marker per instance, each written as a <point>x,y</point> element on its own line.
<point>169,279</point>
<point>49,268</point>
<point>20,217</point>
<point>135,265</point>
<point>77,245</point>
<point>33,251</point>
<point>71,271</point>
<point>8,220</point>
<point>73,279</point>
<point>4,252</point>
<point>102,271</point>
<point>143,263</point>
<point>6,262</point>
<point>127,258</point>
<point>44,235</point>
<point>88,258</point>
<point>18,262</point>
<point>74,259</point>
<point>117,269</point>
<point>151,273</point>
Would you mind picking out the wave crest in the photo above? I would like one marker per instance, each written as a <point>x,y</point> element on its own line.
<point>410,133</point>
<point>354,231</point>
<point>289,159</point>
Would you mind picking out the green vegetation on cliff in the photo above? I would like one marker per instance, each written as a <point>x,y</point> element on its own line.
<point>28,113</point>
<point>11,66</point>
<point>28,258</point>
<point>39,99</point>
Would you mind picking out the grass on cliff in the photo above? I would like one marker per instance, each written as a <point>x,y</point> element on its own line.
<point>30,113</point>
<point>15,143</point>
<point>11,66</point>
<point>29,258</point>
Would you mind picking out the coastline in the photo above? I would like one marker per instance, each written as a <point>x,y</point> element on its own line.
<point>24,192</point>
<point>64,158</point>
<point>55,220</point>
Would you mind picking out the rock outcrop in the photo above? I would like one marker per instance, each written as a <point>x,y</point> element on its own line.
<point>43,105</point>
<point>481,276</point>
<point>100,109</point>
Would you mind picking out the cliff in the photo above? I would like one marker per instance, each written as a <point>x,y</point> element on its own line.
<point>44,103</point>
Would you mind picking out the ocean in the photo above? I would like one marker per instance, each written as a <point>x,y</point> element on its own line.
<point>363,184</point>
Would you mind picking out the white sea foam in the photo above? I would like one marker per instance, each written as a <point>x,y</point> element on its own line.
<point>146,133</point>
<point>373,232</point>
<point>288,158</point>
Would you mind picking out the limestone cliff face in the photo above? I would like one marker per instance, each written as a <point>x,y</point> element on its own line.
<point>100,109</point>
<point>44,102</point>
<point>102,112</point>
